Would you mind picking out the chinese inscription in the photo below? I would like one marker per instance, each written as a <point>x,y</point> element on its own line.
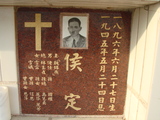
<point>71,101</point>
<point>72,81</point>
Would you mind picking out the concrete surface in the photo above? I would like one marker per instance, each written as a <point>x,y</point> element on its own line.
<point>60,118</point>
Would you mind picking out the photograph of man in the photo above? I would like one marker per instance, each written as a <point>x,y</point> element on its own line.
<point>75,39</point>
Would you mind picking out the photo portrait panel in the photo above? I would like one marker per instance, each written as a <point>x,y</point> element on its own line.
<point>80,33</point>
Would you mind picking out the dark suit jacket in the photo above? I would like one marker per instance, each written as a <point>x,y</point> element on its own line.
<point>81,43</point>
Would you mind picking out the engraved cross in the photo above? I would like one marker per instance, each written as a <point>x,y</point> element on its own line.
<point>38,25</point>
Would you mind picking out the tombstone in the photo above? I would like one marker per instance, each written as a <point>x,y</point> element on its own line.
<point>61,77</point>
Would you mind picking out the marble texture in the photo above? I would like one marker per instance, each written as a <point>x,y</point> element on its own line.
<point>103,66</point>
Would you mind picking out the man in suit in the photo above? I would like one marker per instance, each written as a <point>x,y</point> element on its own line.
<point>75,40</point>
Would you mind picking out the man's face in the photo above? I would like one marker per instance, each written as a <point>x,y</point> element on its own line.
<point>74,28</point>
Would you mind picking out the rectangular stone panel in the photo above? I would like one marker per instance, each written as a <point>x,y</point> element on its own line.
<point>72,68</point>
